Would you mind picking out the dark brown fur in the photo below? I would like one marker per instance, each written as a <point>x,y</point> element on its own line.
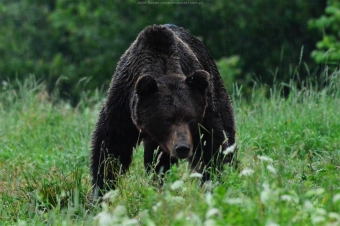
<point>166,91</point>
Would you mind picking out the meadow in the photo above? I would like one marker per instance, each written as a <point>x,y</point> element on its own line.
<point>288,172</point>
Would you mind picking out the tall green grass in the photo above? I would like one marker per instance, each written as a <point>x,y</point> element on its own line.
<point>289,153</point>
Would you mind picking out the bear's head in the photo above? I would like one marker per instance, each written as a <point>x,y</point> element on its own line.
<point>169,110</point>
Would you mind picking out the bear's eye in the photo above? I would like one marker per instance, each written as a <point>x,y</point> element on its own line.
<point>192,120</point>
<point>167,121</point>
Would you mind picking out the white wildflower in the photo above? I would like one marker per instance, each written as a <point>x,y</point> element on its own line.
<point>318,219</point>
<point>315,192</point>
<point>209,199</point>
<point>191,218</point>
<point>194,219</point>
<point>210,222</point>
<point>172,199</point>
<point>104,218</point>
<point>234,201</point>
<point>117,217</point>
<point>265,193</point>
<point>265,158</point>
<point>271,223</point>
<point>177,199</point>
<point>110,196</point>
<point>271,169</point>
<point>212,212</point>
<point>146,218</point>
<point>155,207</point>
<point>230,149</point>
<point>128,222</point>
<point>68,106</point>
<point>321,211</point>
<point>308,206</point>
<point>246,172</point>
<point>119,210</point>
<point>177,185</point>
<point>196,175</point>
<point>333,215</point>
<point>336,198</point>
<point>22,223</point>
<point>208,186</point>
<point>290,198</point>
<point>287,198</point>
<point>318,215</point>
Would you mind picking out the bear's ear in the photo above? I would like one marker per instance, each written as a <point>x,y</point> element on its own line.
<point>146,85</point>
<point>198,80</point>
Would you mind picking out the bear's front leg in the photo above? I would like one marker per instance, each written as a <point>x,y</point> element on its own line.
<point>159,163</point>
<point>112,149</point>
<point>149,157</point>
<point>209,157</point>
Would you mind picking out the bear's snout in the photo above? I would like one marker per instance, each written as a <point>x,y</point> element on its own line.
<point>182,150</point>
<point>180,143</point>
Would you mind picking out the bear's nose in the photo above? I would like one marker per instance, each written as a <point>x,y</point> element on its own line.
<point>182,150</point>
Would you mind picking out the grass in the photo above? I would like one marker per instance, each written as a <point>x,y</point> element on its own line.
<point>289,152</point>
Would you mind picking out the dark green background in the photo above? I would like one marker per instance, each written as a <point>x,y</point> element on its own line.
<point>75,45</point>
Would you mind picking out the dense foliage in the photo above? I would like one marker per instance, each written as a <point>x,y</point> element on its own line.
<point>76,44</point>
<point>328,49</point>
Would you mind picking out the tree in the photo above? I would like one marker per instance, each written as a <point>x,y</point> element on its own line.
<point>77,44</point>
<point>328,48</point>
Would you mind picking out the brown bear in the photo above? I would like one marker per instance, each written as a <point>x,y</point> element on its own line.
<point>168,93</point>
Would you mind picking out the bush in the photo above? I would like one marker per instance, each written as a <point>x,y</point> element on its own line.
<point>328,48</point>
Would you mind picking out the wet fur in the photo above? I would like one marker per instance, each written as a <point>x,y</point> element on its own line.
<point>168,55</point>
